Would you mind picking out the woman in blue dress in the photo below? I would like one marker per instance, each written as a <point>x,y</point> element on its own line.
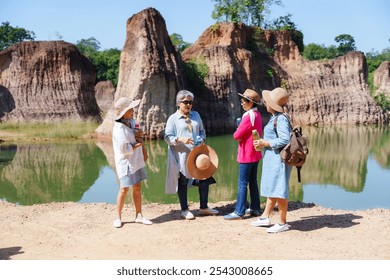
<point>275,173</point>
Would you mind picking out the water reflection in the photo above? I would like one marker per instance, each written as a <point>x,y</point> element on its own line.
<point>41,173</point>
<point>338,155</point>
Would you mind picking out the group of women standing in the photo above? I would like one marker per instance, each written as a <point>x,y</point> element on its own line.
<point>185,134</point>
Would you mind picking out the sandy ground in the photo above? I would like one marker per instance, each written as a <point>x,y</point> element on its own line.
<point>68,231</point>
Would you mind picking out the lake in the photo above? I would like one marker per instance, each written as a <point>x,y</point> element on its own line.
<point>348,167</point>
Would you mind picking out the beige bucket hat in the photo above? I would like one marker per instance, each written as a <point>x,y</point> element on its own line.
<point>123,104</point>
<point>276,99</point>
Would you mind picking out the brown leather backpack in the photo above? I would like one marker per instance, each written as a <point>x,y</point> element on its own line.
<point>295,152</point>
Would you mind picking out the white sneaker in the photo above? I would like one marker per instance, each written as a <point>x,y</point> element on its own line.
<point>278,228</point>
<point>142,220</point>
<point>187,215</point>
<point>117,223</point>
<point>261,222</point>
<point>208,211</point>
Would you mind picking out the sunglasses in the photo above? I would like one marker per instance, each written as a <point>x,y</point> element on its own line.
<point>187,102</point>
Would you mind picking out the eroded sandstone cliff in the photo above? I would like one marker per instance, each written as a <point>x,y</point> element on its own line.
<point>382,79</point>
<point>325,92</point>
<point>150,71</point>
<point>322,92</point>
<point>46,81</point>
<point>104,94</point>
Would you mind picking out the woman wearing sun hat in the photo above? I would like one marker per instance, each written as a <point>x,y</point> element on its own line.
<point>129,158</point>
<point>247,156</point>
<point>183,129</point>
<point>275,173</point>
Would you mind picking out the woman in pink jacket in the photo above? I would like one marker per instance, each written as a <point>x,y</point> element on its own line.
<point>247,156</point>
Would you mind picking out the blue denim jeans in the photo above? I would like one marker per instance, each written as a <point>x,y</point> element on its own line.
<point>182,193</point>
<point>247,176</point>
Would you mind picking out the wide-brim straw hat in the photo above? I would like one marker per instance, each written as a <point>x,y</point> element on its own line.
<point>202,162</point>
<point>123,104</point>
<point>251,95</point>
<point>276,98</point>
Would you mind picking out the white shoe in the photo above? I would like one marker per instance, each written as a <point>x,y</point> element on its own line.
<point>187,215</point>
<point>117,223</point>
<point>261,222</point>
<point>278,228</point>
<point>208,211</point>
<point>142,220</point>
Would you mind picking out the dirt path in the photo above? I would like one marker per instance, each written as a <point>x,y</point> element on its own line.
<point>66,231</point>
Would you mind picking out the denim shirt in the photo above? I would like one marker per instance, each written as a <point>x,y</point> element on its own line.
<point>177,151</point>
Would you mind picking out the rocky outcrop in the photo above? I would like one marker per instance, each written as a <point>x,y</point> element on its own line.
<point>325,92</point>
<point>233,66</point>
<point>46,81</point>
<point>382,79</point>
<point>150,71</point>
<point>104,94</point>
<point>322,92</point>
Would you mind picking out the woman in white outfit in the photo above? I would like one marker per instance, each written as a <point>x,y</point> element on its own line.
<point>129,158</point>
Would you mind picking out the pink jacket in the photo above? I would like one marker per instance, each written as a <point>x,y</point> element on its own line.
<point>246,151</point>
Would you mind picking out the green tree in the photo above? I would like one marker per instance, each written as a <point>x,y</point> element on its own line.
<point>107,65</point>
<point>178,42</point>
<point>281,23</point>
<point>286,23</point>
<point>250,12</point>
<point>314,52</point>
<point>346,43</point>
<point>10,35</point>
<point>88,47</point>
<point>375,58</point>
<point>106,62</point>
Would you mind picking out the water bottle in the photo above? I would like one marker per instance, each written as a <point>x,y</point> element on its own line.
<point>255,136</point>
<point>138,132</point>
<point>238,121</point>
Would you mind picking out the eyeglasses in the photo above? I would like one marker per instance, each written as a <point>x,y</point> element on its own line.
<point>187,102</point>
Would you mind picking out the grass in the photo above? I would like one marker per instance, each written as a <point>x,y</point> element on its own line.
<point>46,131</point>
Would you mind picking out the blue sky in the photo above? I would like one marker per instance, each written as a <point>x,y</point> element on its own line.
<point>319,20</point>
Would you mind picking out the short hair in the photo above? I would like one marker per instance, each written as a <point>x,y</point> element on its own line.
<point>183,94</point>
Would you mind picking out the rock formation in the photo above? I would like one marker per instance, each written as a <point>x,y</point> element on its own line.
<point>232,68</point>
<point>382,78</point>
<point>322,92</point>
<point>46,81</point>
<point>325,92</point>
<point>104,94</point>
<point>150,71</point>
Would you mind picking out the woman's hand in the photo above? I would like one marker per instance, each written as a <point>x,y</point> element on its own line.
<point>185,140</point>
<point>139,134</point>
<point>136,145</point>
<point>260,143</point>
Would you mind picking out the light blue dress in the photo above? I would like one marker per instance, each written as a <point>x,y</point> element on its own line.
<point>275,173</point>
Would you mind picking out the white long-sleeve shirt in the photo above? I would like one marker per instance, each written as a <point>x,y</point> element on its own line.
<point>127,159</point>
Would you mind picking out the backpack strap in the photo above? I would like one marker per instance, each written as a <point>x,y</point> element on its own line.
<point>276,122</point>
<point>299,173</point>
